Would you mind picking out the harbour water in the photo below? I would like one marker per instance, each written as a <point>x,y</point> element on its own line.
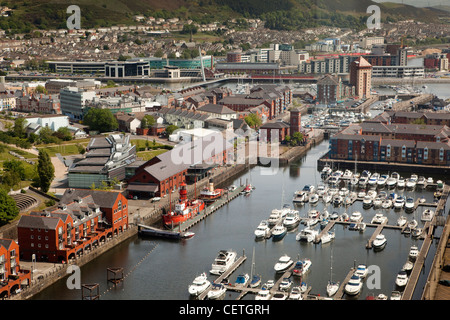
<point>157,269</point>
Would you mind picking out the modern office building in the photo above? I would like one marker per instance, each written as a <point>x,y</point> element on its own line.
<point>129,68</point>
<point>73,101</point>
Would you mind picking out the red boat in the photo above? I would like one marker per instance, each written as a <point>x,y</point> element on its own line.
<point>209,194</point>
<point>184,209</point>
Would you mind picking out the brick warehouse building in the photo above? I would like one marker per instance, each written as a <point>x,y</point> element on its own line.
<point>164,173</point>
<point>12,277</point>
<point>81,220</point>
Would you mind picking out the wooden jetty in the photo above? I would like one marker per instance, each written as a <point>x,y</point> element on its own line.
<point>340,293</point>
<point>428,239</point>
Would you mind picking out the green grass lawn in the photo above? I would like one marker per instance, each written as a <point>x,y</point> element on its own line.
<point>147,155</point>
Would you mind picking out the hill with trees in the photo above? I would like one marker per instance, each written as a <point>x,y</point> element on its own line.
<point>28,15</point>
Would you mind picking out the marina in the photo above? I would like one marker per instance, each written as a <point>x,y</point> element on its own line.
<point>244,213</point>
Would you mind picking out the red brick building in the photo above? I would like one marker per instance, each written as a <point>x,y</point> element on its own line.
<point>12,277</point>
<point>164,173</point>
<point>81,221</point>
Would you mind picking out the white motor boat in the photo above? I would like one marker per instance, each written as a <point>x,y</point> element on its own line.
<point>327,198</point>
<point>409,204</point>
<point>399,203</point>
<point>283,263</point>
<point>363,181</point>
<point>427,215</point>
<point>380,242</point>
<point>401,221</point>
<point>337,200</point>
<point>285,284</point>
<point>321,190</point>
<point>300,197</point>
<point>242,280</point>
<point>354,181</point>
<point>361,271</point>
<point>347,175</point>
<point>377,202</point>
<point>327,237</point>
<point>402,279</point>
<point>343,191</point>
<point>386,204</point>
<point>199,285</point>
<point>400,183</point>
<point>411,182</point>
<point>421,182</point>
<point>334,215</point>
<point>391,181</point>
<point>263,230</point>
<point>430,181</point>
<point>413,224</point>
<point>396,295</point>
<point>313,198</point>
<point>275,217</point>
<point>292,219</point>
<point>217,291</point>
<point>269,284</point>
<point>301,267</point>
<point>296,294</point>
<point>373,180</point>
<point>353,286</point>
<point>367,201</point>
<point>356,216</point>
<point>408,265</point>
<point>379,218</point>
<point>413,252</point>
<point>263,294</point>
<point>382,181</point>
<point>279,232</point>
<point>223,261</point>
<point>307,234</point>
<point>416,232</point>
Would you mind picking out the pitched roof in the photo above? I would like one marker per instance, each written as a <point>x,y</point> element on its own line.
<point>216,108</point>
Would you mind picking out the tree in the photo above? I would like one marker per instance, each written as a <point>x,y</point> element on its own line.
<point>63,133</point>
<point>101,120</point>
<point>19,127</point>
<point>8,208</point>
<point>253,120</point>
<point>147,122</point>
<point>46,170</point>
<point>171,128</point>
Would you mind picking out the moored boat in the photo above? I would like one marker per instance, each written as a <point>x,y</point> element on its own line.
<point>283,263</point>
<point>184,209</point>
<point>209,194</point>
<point>199,285</point>
<point>217,291</point>
<point>380,242</point>
<point>223,261</point>
<point>353,286</point>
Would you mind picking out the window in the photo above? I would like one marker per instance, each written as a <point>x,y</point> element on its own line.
<point>425,153</point>
<point>388,150</point>
<point>441,154</point>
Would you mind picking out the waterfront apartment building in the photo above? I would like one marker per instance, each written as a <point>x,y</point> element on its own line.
<point>330,89</point>
<point>73,101</point>
<point>398,72</point>
<point>12,278</point>
<point>405,143</point>
<point>361,77</point>
<point>81,221</point>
